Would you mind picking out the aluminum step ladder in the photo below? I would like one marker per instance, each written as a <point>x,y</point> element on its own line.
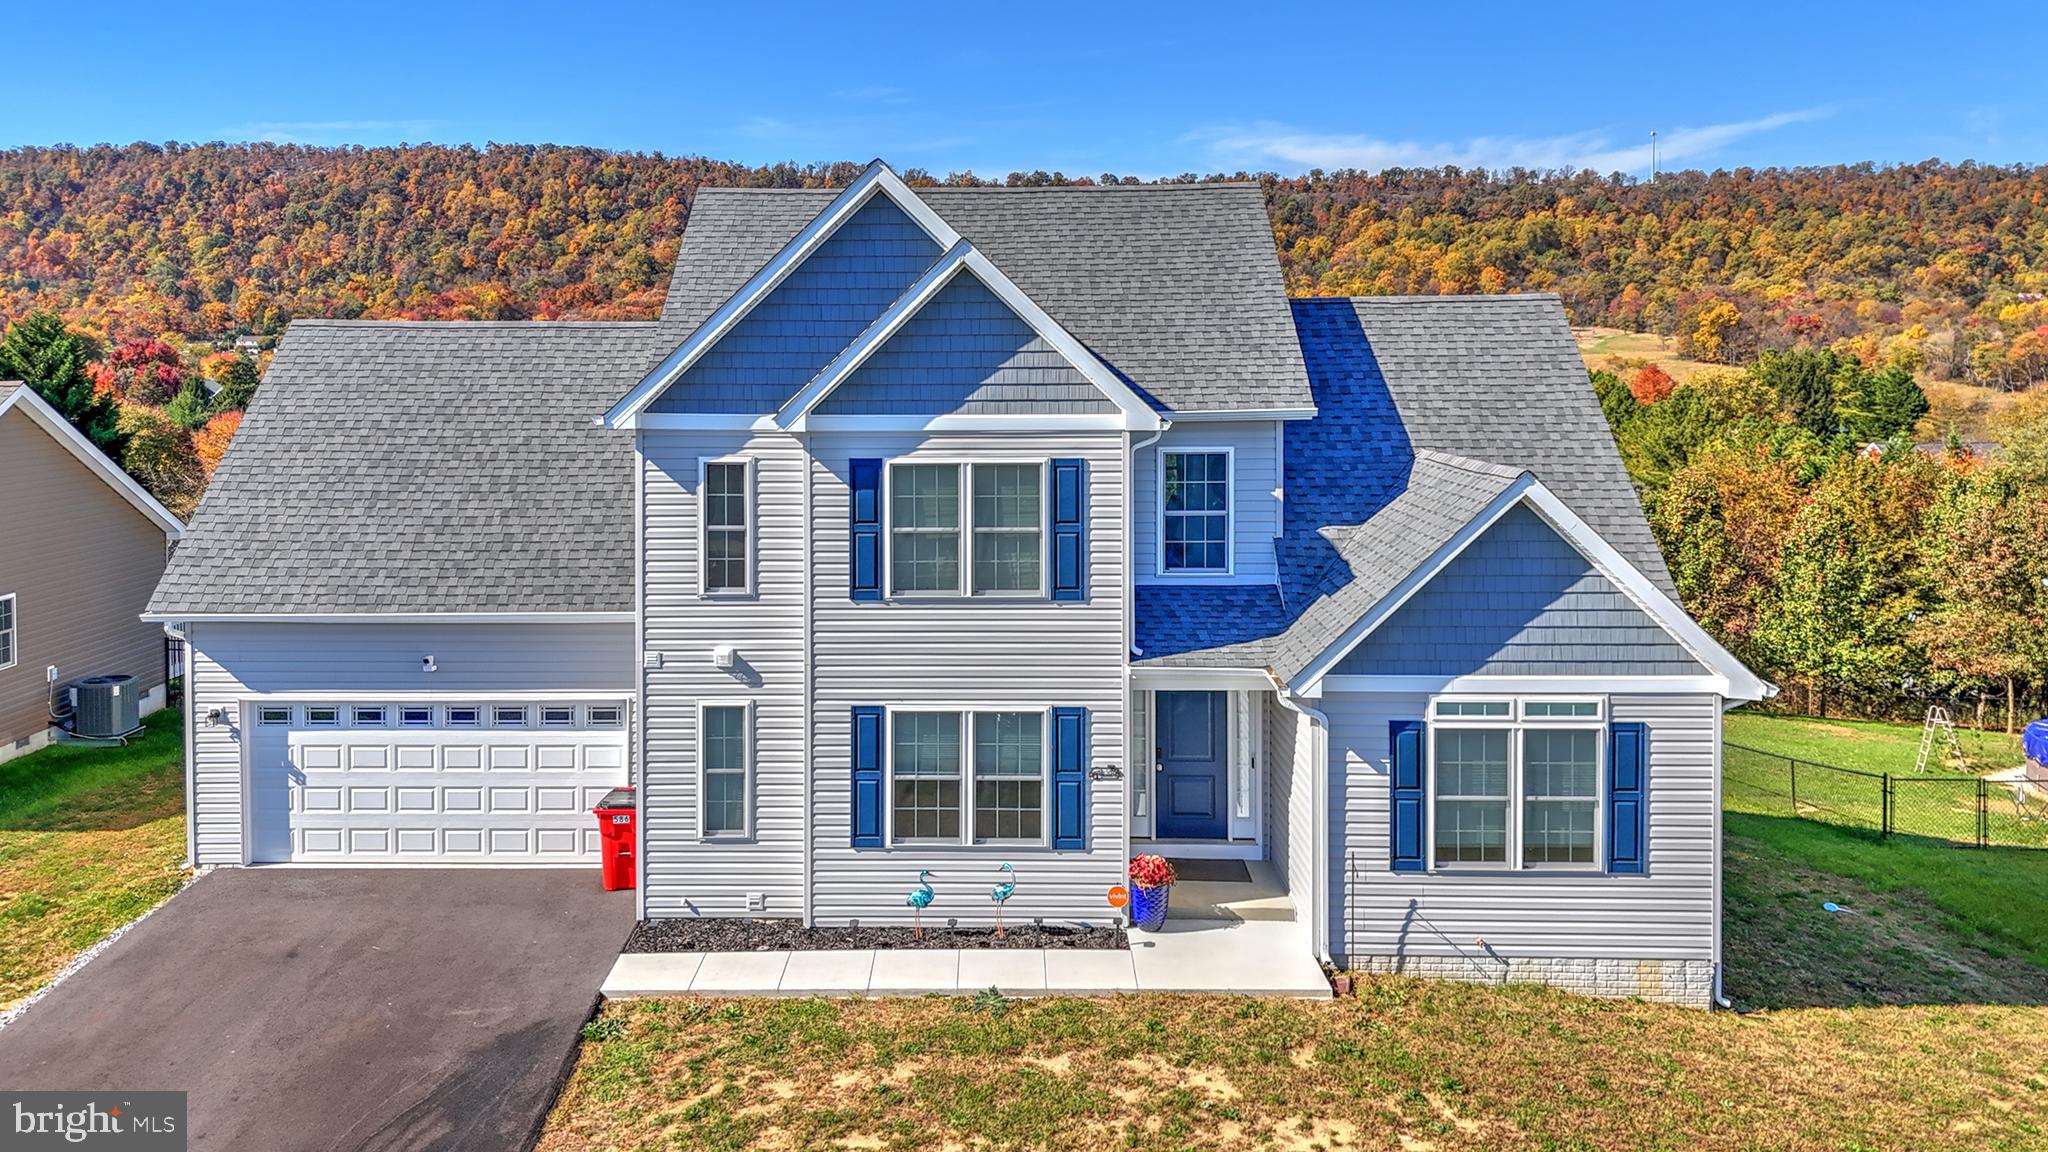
<point>1938,721</point>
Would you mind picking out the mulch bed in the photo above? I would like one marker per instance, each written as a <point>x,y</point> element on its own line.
<point>727,934</point>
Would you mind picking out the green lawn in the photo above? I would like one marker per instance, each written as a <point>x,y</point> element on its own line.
<point>1927,921</point>
<point>90,838</point>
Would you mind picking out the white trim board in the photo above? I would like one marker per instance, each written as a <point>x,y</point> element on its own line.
<point>878,179</point>
<point>1738,682</point>
<point>25,399</point>
<point>963,258</point>
<point>1530,685</point>
<point>169,618</point>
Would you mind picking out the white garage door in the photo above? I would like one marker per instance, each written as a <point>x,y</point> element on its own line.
<point>431,783</point>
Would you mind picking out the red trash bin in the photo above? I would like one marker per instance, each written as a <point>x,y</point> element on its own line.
<point>615,814</point>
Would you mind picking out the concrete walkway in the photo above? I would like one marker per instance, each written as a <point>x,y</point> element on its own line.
<point>1250,958</point>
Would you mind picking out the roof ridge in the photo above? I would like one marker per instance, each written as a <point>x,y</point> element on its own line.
<point>1470,464</point>
<point>1437,298</point>
<point>338,322</point>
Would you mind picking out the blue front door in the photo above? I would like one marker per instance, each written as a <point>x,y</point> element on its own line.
<point>1193,738</point>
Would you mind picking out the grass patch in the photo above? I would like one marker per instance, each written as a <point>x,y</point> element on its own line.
<point>90,838</point>
<point>1408,1064</point>
<point>1866,745</point>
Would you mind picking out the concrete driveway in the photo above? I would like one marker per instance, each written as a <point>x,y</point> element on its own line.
<point>339,1009</point>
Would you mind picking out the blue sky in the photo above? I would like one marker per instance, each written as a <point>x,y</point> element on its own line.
<point>1084,88</point>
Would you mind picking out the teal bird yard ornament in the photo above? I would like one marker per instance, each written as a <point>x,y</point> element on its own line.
<point>1002,892</point>
<point>920,897</point>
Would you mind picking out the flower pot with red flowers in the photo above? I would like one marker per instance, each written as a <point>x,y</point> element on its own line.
<point>1151,882</point>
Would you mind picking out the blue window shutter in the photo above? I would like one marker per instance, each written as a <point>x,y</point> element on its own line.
<point>1070,778</point>
<point>1627,797</point>
<point>864,562</point>
<point>1404,815</point>
<point>867,777</point>
<point>1070,530</point>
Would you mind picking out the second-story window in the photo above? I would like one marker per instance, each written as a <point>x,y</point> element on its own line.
<point>924,528</point>
<point>967,529</point>
<point>1194,528</point>
<point>1009,513</point>
<point>728,522</point>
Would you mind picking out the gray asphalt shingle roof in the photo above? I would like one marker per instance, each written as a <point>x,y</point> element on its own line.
<point>1176,287</point>
<point>423,467</point>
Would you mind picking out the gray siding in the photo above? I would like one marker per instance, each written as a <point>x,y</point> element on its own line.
<point>1255,510</point>
<point>965,653</point>
<point>1665,914</point>
<point>1288,759</point>
<point>684,874</point>
<point>1520,601</point>
<point>80,560</point>
<point>965,352</point>
<point>234,662</point>
<point>815,312</point>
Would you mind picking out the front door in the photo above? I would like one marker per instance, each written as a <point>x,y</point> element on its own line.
<point>1193,743</point>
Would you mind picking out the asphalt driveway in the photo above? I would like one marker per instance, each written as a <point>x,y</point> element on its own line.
<point>339,1009</point>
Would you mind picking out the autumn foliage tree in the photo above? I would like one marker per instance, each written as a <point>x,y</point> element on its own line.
<point>1650,384</point>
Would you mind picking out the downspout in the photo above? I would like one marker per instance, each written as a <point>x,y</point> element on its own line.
<point>636,738</point>
<point>1131,550</point>
<point>184,635</point>
<point>1131,648</point>
<point>803,445</point>
<point>1319,815</point>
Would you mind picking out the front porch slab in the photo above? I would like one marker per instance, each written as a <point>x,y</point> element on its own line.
<point>1249,958</point>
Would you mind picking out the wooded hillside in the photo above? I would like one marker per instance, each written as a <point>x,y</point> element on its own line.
<point>1944,265</point>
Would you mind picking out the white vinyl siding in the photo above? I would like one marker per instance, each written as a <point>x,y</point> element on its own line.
<point>234,663</point>
<point>1255,505</point>
<point>684,872</point>
<point>965,655</point>
<point>1666,913</point>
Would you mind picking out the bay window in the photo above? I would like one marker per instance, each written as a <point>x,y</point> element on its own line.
<point>1516,783</point>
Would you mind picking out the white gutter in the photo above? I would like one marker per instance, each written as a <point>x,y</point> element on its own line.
<point>1131,550</point>
<point>1319,831</point>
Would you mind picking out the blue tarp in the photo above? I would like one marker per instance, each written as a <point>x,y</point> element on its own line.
<point>2035,741</point>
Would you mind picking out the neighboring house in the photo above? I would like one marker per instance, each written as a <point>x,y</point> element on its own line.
<point>949,527</point>
<point>81,546</point>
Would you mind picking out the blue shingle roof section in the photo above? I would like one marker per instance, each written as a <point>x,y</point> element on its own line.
<point>1176,620</point>
<point>818,309</point>
<point>1428,409</point>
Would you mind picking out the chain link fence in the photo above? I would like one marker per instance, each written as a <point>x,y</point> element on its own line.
<point>1974,811</point>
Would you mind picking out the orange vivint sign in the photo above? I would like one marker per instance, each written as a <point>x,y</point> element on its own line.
<point>1118,896</point>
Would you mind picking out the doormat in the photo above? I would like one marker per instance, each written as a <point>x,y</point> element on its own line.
<point>1212,871</point>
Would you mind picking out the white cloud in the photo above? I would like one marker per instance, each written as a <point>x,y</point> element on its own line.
<point>332,131</point>
<point>874,94</point>
<point>1279,146</point>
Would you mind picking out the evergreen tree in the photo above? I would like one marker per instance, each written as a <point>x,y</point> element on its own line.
<point>1804,380</point>
<point>238,379</point>
<point>40,351</point>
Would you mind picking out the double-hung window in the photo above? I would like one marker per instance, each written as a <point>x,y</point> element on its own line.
<point>7,631</point>
<point>967,777</point>
<point>725,766</point>
<point>1194,518</point>
<point>967,529</point>
<point>725,507</point>
<point>1516,783</point>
